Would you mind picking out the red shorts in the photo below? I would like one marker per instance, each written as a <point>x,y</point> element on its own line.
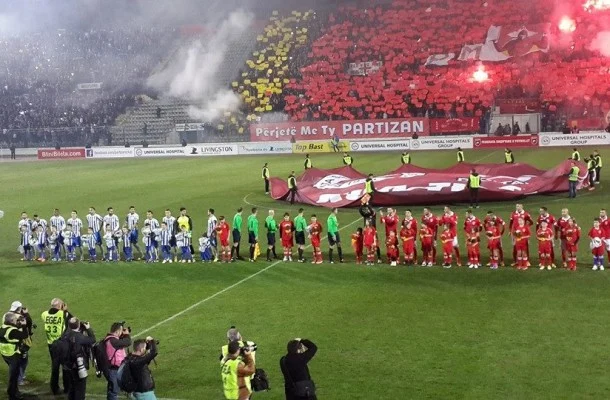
<point>521,246</point>
<point>287,243</point>
<point>358,250</point>
<point>315,242</point>
<point>224,242</point>
<point>448,248</point>
<point>598,251</point>
<point>408,247</point>
<point>571,248</point>
<point>370,248</point>
<point>393,253</point>
<point>544,248</point>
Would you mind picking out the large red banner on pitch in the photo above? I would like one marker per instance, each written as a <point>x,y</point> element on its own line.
<point>348,130</point>
<point>454,125</point>
<point>409,185</point>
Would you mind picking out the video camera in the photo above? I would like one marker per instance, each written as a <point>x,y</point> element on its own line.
<point>249,346</point>
<point>123,323</point>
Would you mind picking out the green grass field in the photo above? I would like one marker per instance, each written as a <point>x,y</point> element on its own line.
<point>382,332</point>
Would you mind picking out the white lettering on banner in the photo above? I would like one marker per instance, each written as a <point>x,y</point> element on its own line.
<point>580,139</point>
<point>159,151</point>
<point>265,148</point>
<point>443,143</point>
<point>89,86</point>
<point>211,150</point>
<point>277,133</point>
<point>109,152</point>
<point>378,128</point>
<point>180,127</point>
<point>380,145</point>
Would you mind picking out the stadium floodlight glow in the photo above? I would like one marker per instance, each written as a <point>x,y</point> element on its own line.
<point>567,25</point>
<point>480,75</point>
<point>596,5</point>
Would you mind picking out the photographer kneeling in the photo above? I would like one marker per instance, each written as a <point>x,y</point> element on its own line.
<point>236,368</point>
<point>144,351</point>
<point>297,380</point>
<point>115,344</point>
<point>12,335</point>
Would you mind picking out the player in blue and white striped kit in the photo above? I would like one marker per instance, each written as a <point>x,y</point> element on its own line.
<point>77,225</point>
<point>54,246</point>
<point>59,223</point>
<point>69,242</point>
<point>164,240</point>
<point>184,241</point>
<point>205,248</point>
<point>154,225</point>
<point>41,243</point>
<point>112,224</point>
<point>127,251</point>
<point>147,239</point>
<point>170,221</point>
<point>111,245</point>
<point>91,243</point>
<point>26,242</point>
<point>95,223</point>
<point>133,219</point>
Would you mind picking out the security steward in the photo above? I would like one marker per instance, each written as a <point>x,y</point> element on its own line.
<point>292,187</point>
<point>575,154</point>
<point>347,160</point>
<point>236,368</point>
<point>573,179</point>
<point>20,309</point>
<point>598,165</point>
<point>55,322</point>
<point>12,336</point>
<point>508,157</point>
<point>460,155</point>
<point>474,183</point>
<point>369,187</point>
<point>307,163</point>
<point>591,171</point>
<point>265,174</point>
<point>405,158</point>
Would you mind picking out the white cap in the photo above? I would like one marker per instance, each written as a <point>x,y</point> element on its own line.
<point>16,305</point>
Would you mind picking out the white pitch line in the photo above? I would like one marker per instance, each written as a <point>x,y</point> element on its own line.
<point>486,156</point>
<point>245,199</point>
<point>178,314</point>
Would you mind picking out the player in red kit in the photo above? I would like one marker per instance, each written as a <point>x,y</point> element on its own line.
<point>560,225</point>
<point>369,235</point>
<point>451,219</point>
<point>447,243</point>
<point>407,235</point>
<point>315,230</point>
<point>426,238</point>
<point>521,234</point>
<point>572,235</point>
<point>390,220</point>
<point>604,223</point>
<point>544,234</point>
<point>494,242</point>
<point>471,223</point>
<point>473,241</point>
<point>358,245</point>
<point>411,223</point>
<point>392,248</point>
<point>598,238</point>
<point>432,222</point>
<point>545,216</point>
<point>498,223</point>
<point>222,230</point>
<point>514,218</point>
<point>287,235</point>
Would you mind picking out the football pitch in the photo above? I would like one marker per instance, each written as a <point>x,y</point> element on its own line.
<point>382,332</point>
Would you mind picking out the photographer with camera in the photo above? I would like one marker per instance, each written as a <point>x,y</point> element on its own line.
<point>55,323</point>
<point>144,351</point>
<point>233,335</point>
<point>13,333</point>
<point>236,369</point>
<point>18,308</point>
<point>297,380</point>
<point>114,345</point>
<point>72,350</point>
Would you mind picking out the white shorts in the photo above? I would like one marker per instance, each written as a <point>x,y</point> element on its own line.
<point>607,241</point>
<point>455,242</point>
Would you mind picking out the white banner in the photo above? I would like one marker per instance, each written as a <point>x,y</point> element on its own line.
<point>380,145</point>
<point>265,148</point>
<point>364,68</point>
<point>212,149</point>
<point>440,59</point>
<point>109,152</point>
<point>89,86</point>
<point>579,139</point>
<point>195,126</point>
<point>159,151</point>
<point>442,143</point>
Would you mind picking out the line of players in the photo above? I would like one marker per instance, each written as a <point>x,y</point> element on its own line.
<point>444,229</point>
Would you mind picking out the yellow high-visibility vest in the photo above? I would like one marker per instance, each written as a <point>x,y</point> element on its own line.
<point>475,181</point>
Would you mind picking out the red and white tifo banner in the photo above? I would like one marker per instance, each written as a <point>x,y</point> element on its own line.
<point>506,141</point>
<point>344,187</point>
<point>67,153</point>
<point>577,139</point>
<point>348,130</point>
<point>454,125</point>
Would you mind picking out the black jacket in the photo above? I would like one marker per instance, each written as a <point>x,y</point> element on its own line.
<point>368,212</point>
<point>295,365</point>
<point>140,371</point>
<point>82,343</point>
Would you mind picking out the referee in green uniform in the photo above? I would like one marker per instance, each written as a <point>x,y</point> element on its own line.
<point>252,232</point>
<point>332,225</point>
<point>300,226</point>
<point>237,221</point>
<point>271,226</point>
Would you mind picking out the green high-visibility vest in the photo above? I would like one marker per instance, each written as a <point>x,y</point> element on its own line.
<point>406,159</point>
<point>475,181</point>
<point>460,156</point>
<point>8,347</point>
<point>598,161</point>
<point>347,160</point>
<point>291,182</point>
<point>224,350</point>
<point>508,157</point>
<point>229,379</point>
<point>54,325</point>
<point>574,174</point>
<point>576,156</point>
<point>590,165</point>
<point>265,173</point>
<point>368,186</point>
<point>307,163</point>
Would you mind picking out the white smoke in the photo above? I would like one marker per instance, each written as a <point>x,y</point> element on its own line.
<point>194,73</point>
<point>601,43</point>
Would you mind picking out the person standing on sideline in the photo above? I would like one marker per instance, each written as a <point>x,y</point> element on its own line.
<point>292,187</point>
<point>335,143</point>
<point>55,323</point>
<point>508,156</point>
<point>236,233</point>
<point>575,154</point>
<point>144,351</point>
<point>474,183</point>
<point>19,309</point>
<point>332,225</point>
<point>405,158</point>
<point>252,232</point>
<point>271,226</point>
<point>369,187</point>
<point>598,166</point>
<point>297,379</point>
<point>590,171</point>
<point>347,160</point>
<point>13,151</point>
<point>573,179</point>
<point>300,227</point>
<point>265,175</point>
<point>115,344</point>
<point>12,335</point>
<point>307,163</point>
<point>460,155</point>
